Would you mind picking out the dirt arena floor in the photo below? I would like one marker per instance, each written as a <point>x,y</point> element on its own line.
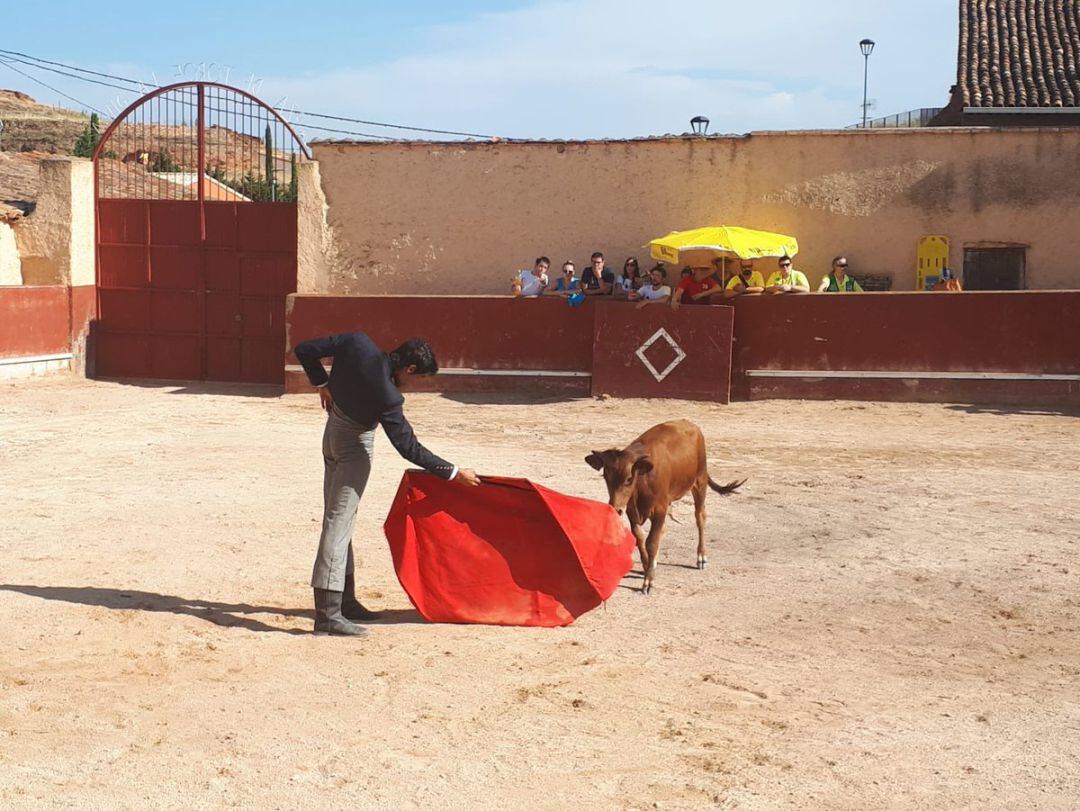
<point>891,617</point>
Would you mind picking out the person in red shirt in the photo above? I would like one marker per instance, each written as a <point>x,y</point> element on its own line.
<point>698,288</point>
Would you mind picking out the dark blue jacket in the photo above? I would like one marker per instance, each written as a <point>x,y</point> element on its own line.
<point>362,385</point>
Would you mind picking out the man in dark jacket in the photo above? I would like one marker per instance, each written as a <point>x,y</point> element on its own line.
<point>360,393</point>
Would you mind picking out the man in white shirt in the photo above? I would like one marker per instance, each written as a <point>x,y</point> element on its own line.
<point>531,283</point>
<point>655,291</point>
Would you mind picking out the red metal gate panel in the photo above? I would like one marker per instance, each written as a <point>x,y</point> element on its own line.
<point>196,237</point>
<point>176,308</point>
<point>659,352</point>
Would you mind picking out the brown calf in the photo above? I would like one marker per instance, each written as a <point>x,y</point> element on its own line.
<point>644,478</point>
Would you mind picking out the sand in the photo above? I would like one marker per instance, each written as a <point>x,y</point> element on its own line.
<point>890,617</point>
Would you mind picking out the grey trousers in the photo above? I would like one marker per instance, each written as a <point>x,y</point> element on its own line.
<point>347,453</point>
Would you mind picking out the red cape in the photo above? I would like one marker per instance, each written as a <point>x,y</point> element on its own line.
<point>507,553</point>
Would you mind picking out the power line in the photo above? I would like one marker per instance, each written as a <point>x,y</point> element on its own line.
<point>72,67</point>
<point>74,76</point>
<point>390,126</point>
<point>288,111</point>
<point>50,87</point>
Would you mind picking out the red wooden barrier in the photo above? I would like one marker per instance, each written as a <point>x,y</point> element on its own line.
<point>469,332</point>
<point>936,347</point>
<point>660,352</point>
<point>970,347</point>
<point>34,321</point>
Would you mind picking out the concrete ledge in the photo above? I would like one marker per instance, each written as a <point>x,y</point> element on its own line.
<point>1002,390</point>
<point>575,384</point>
<point>34,366</point>
<point>804,374</point>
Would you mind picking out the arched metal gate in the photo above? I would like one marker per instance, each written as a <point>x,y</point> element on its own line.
<point>195,190</point>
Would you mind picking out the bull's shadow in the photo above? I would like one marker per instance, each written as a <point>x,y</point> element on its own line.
<point>226,615</point>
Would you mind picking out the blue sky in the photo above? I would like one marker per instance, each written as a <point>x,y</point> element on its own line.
<point>539,68</point>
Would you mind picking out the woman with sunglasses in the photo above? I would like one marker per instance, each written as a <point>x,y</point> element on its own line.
<point>838,281</point>
<point>632,279</point>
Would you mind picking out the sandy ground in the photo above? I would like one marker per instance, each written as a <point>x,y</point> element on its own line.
<point>890,619</point>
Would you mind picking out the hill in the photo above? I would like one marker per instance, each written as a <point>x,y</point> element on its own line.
<point>31,126</point>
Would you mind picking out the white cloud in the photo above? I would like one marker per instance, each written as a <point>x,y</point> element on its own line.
<point>622,68</point>
<point>602,68</point>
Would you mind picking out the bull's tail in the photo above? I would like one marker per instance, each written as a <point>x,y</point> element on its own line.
<point>727,489</point>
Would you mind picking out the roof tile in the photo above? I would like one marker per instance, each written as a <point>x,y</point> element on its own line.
<point>1019,53</point>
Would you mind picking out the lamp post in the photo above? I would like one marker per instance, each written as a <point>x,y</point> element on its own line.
<point>700,124</point>
<point>867,48</point>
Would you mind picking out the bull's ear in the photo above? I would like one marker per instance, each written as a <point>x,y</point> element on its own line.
<point>595,460</point>
<point>643,465</point>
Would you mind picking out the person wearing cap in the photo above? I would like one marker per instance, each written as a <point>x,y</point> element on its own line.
<point>948,282</point>
<point>697,288</point>
<point>747,280</point>
<point>838,280</point>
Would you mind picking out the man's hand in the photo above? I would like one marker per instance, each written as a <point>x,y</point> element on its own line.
<point>326,399</point>
<point>467,477</point>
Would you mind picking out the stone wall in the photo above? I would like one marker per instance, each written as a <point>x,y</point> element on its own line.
<point>406,218</point>
<point>10,265</point>
<point>56,241</point>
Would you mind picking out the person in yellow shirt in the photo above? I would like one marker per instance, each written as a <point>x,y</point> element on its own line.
<point>747,280</point>
<point>787,279</point>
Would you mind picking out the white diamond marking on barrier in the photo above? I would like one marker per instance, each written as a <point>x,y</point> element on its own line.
<point>679,354</point>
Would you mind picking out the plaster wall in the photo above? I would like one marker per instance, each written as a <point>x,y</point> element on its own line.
<point>10,264</point>
<point>56,241</point>
<point>437,218</point>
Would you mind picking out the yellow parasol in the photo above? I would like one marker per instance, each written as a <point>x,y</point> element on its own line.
<point>722,241</point>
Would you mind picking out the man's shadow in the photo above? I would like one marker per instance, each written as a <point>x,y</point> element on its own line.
<point>227,615</point>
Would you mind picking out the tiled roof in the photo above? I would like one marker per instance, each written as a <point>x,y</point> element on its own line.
<point>1019,53</point>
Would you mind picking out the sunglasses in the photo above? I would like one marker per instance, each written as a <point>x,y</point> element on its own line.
<point>842,265</point>
<point>785,264</point>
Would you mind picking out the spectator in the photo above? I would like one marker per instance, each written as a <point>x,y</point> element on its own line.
<point>531,283</point>
<point>948,282</point>
<point>787,279</point>
<point>631,279</point>
<point>838,281</point>
<point>698,288</point>
<point>597,280</point>
<point>568,283</point>
<point>748,281</point>
<point>655,291</point>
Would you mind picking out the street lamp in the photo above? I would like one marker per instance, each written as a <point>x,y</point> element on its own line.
<point>867,48</point>
<point>700,124</point>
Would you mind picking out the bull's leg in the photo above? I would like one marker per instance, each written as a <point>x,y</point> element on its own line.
<point>700,489</point>
<point>639,536</point>
<point>652,547</point>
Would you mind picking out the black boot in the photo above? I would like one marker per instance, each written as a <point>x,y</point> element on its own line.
<point>351,608</point>
<point>328,617</point>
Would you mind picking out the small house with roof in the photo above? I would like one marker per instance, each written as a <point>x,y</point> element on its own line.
<point>1018,65</point>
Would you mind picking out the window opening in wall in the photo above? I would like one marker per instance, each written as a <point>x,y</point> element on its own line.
<point>995,268</point>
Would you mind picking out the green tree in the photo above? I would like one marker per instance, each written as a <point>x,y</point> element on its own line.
<point>293,183</point>
<point>88,139</point>
<point>269,162</point>
<point>163,162</point>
